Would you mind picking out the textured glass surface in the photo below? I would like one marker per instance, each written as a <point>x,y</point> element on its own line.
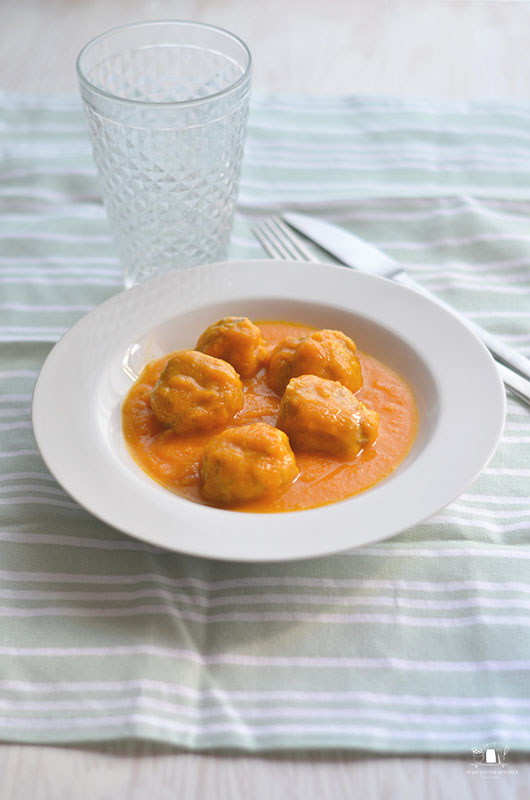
<point>168,167</point>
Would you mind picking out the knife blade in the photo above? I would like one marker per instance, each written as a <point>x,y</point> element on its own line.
<point>355,252</point>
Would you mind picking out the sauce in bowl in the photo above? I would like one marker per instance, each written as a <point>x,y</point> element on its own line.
<point>174,460</point>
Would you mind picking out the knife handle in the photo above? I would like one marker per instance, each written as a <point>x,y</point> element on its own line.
<point>500,351</point>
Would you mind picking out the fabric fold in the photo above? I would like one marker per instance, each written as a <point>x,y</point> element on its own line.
<point>419,644</point>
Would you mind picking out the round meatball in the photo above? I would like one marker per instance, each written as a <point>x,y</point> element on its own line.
<point>196,392</point>
<point>236,340</point>
<point>328,354</point>
<point>245,463</point>
<point>323,416</point>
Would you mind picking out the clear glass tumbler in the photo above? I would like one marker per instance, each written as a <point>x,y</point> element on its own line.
<point>167,106</point>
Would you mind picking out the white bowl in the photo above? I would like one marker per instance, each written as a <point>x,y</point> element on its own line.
<point>79,393</point>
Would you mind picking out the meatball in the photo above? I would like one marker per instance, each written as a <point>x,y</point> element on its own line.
<point>196,392</point>
<point>245,463</point>
<point>280,369</point>
<point>236,340</point>
<point>324,416</point>
<point>328,354</point>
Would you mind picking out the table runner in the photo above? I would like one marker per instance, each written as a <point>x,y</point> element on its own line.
<point>418,644</point>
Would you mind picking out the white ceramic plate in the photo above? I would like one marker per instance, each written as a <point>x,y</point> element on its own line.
<point>79,392</point>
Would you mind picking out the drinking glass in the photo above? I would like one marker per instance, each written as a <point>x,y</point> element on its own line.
<point>167,106</point>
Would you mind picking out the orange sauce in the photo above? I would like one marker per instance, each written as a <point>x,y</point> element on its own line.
<point>174,461</point>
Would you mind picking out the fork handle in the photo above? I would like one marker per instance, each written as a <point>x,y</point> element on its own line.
<point>518,385</point>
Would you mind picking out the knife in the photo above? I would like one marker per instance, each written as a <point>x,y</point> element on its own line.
<point>354,252</point>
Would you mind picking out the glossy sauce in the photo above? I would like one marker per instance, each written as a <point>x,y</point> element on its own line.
<point>174,461</point>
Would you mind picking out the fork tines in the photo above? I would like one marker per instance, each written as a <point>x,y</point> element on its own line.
<point>280,241</point>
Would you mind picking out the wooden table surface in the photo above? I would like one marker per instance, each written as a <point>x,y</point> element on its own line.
<point>414,48</point>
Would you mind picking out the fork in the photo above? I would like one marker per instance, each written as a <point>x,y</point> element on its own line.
<point>281,242</point>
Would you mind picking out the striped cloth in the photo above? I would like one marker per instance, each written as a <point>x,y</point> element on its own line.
<point>416,644</point>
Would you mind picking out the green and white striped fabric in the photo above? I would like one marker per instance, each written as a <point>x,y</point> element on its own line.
<point>417,644</point>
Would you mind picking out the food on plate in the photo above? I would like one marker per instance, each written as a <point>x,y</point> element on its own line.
<point>236,340</point>
<point>207,434</point>
<point>196,392</point>
<point>326,353</point>
<point>325,417</point>
<point>246,463</point>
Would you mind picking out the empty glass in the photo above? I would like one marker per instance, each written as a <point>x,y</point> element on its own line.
<point>167,106</point>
